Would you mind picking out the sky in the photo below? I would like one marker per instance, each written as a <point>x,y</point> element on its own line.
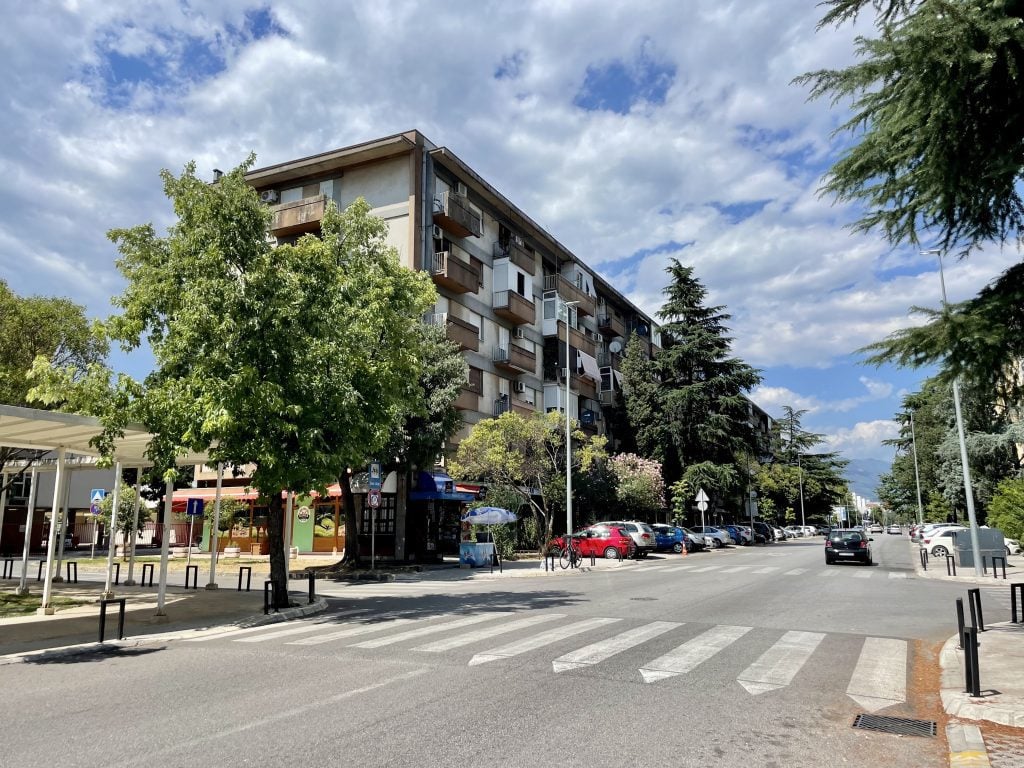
<point>635,133</point>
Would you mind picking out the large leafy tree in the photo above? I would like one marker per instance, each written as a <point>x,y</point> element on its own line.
<point>688,405</point>
<point>1006,511</point>
<point>53,328</point>
<point>640,488</point>
<point>296,360</point>
<point>524,458</point>
<point>937,125</point>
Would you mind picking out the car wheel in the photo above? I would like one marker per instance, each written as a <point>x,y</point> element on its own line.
<point>829,561</point>
<point>678,547</point>
<point>939,551</point>
<point>611,553</point>
<point>642,554</point>
<point>718,544</point>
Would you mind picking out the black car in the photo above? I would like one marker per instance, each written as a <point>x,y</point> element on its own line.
<point>763,534</point>
<point>848,544</point>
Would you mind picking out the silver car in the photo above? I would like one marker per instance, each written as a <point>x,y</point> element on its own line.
<point>717,535</point>
<point>641,533</point>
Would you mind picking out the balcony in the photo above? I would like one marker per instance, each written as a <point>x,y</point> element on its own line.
<point>568,290</point>
<point>517,309</point>
<point>466,335</point>
<point>609,360</point>
<point>515,359</point>
<point>467,401</point>
<point>610,325</point>
<point>501,405</point>
<point>454,274</point>
<point>298,217</point>
<point>456,216</point>
<point>518,255</point>
<point>577,339</point>
<point>608,396</point>
<point>523,408</point>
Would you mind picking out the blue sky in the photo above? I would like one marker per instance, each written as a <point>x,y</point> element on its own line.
<point>634,133</point>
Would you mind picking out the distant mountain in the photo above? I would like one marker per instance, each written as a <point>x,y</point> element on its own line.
<point>863,474</point>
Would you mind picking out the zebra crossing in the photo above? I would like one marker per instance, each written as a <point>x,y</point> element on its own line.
<point>877,681</point>
<point>854,573</point>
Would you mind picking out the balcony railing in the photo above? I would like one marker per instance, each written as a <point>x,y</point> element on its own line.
<point>610,325</point>
<point>515,308</point>
<point>609,360</point>
<point>578,339</point>
<point>523,408</point>
<point>467,401</point>
<point>607,396</point>
<point>454,274</point>
<point>466,335</point>
<point>475,381</point>
<point>517,254</point>
<point>569,291</point>
<point>501,405</point>
<point>300,216</point>
<point>456,216</point>
<point>515,359</point>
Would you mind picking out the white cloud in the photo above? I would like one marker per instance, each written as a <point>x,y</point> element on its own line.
<point>773,399</point>
<point>864,439</point>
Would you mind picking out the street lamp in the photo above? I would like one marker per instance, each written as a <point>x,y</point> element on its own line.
<point>968,490</point>
<point>568,433</point>
<point>917,475</point>
<point>799,466</point>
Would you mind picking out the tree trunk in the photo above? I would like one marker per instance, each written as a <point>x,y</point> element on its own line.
<point>278,561</point>
<point>351,532</point>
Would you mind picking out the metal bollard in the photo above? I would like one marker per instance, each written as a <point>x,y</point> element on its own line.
<point>120,616</point>
<point>593,560</point>
<point>194,571</point>
<point>72,564</point>
<point>39,570</point>
<point>146,568</point>
<point>268,590</point>
<point>974,595</point>
<point>248,577</point>
<point>951,561</point>
<point>312,586</point>
<point>971,672</point>
<point>117,573</point>
<point>995,574</point>
<point>923,553</point>
<point>8,567</point>
<point>1013,601</point>
<point>960,621</point>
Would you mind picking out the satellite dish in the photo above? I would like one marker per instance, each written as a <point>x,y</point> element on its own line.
<point>615,347</point>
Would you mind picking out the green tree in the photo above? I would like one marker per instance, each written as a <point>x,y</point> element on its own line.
<point>126,524</point>
<point>232,511</point>
<point>52,328</point>
<point>524,458</point>
<point>1006,512</point>
<point>640,488</point>
<point>688,405</point>
<point>297,360</point>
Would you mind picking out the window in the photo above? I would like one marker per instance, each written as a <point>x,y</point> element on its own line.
<point>382,519</point>
<point>520,283</point>
<point>20,487</point>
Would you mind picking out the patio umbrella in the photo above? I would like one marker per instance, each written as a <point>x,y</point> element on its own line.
<point>489,516</point>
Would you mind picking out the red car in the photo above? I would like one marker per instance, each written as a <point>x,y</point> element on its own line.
<point>598,540</point>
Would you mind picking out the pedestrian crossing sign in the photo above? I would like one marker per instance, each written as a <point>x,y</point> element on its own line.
<point>96,496</point>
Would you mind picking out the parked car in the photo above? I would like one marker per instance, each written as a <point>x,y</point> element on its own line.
<point>641,533</point>
<point>1012,547</point>
<point>670,538</point>
<point>777,532</point>
<point>697,541</point>
<point>939,542</point>
<point>929,528</point>
<point>763,533</point>
<point>717,535</point>
<point>893,529</point>
<point>737,534</point>
<point>847,544</point>
<point>793,531</point>
<point>598,540</point>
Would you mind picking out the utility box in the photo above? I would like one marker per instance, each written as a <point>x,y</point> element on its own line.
<point>990,543</point>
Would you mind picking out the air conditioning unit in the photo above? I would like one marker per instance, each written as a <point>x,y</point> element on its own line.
<point>269,196</point>
<point>518,333</point>
<point>460,189</point>
<point>438,233</point>
<point>565,373</point>
<point>518,386</point>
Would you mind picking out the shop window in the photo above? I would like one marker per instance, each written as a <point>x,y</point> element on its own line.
<point>383,519</point>
<point>20,487</point>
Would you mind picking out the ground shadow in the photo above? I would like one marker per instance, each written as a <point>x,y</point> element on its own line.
<point>97,653</point>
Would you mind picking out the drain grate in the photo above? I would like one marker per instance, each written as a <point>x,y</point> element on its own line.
<point>898,725</point>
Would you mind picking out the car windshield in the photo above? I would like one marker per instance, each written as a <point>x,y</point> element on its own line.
<point>845,536</point>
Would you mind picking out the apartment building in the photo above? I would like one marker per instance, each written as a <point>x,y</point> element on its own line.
<point>503,281</point>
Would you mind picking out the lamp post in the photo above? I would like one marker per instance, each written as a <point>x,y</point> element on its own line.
<point>917,475</point>
<point>968,489</point>
<point>800,467</point>
<point>568,434</point>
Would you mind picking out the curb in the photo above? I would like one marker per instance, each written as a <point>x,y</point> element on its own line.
<point>966,746</point>
<point>85,649</point>
<point>957,702</point>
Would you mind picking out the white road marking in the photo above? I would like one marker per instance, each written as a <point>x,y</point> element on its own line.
<point>736,568</point>
<point>599,651</point>
<point>769,569</point>
<point>433,629</point>
<point>795,572</point>
<point>321,621</point>
<point>675,568</point>
<point>880,677</point>
<point>293,629</point>
<point>539,641</point>
<point>475,636</point>
<point>706,568</point>
<point>895,575</point>
<point>692,653</point>
<point>826,574</point>
<point>863,575</point>
<point>357,629</point>
<point>777,666</point>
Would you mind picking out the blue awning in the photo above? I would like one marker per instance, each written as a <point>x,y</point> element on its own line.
<point>438,486</point>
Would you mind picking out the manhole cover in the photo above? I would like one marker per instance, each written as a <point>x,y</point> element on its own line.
<point>899,725</point>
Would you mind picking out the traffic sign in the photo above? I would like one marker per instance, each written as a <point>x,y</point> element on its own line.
<point>373,498</point>
<point>375,475</point>
<point>702,500</point>
<point>96,496</point>
<point>194,507</point>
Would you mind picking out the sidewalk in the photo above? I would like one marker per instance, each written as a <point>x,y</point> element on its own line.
<point>76,629</point>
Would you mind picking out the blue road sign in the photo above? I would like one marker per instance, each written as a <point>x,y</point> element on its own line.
<point>375,476</point>
<point>96,496</point>
<point>194,507</point>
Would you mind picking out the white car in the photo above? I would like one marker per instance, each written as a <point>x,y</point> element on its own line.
<point>875,528</point>
<point>939,542</point>
<point>641,533</point>
<point>1012,547</point>
<point>718,536</point>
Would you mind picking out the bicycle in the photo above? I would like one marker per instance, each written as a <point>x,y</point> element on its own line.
<point>570,556</point>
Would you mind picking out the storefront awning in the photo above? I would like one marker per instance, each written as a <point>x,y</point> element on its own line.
<point>438,486</point>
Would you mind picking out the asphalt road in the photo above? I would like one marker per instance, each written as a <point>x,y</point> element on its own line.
<point>744,657</point>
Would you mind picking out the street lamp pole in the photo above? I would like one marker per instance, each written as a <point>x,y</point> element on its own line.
<point>968,489</point>
<point>917,475</point>
<point>568,432</point>
<point>800,467</point>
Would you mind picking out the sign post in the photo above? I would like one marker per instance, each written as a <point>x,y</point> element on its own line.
<point>96,497</point>
<point>373,501</point>
<point>193,508</point>
<point>702,505</point>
